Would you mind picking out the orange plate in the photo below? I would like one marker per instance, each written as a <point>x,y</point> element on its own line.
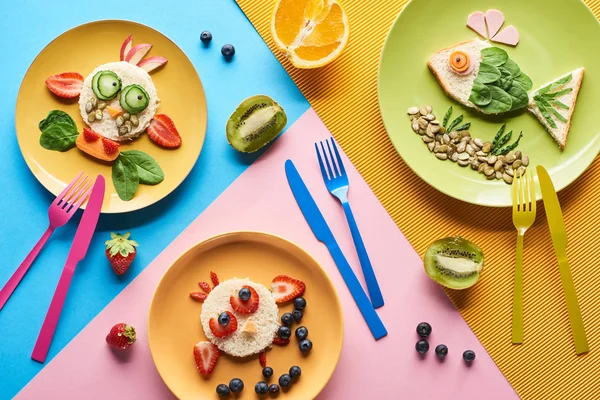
<point>174,321</point>
<point>82,49</point>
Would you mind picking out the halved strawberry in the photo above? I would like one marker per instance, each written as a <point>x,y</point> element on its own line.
<point>204,286</point>
<point>110,146</point>
<point>222,331</point>
<point>89,135</point>
<point>281,342</point>
<point>214,278</point>
<point>262,358</point>
<point>162,131</point>
<point>198,296</point>
<point>67,85</point>
<point>285,288</point>
<point>245,307</point>
<point>206,355</point>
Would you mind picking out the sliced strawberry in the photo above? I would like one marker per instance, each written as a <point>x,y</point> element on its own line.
<point>206,355</point>
<point>245,307</point>
<point>89,135</point>
<point>285,288</point>
<point>110,146</point>
<point>162,131</point>
<point>281,342</point>
<point>221,331</point>
<point>198,296</point>
<point>204,286</point>
<point>214,278</point>
<point>262,357</point>
<point>67,85</point>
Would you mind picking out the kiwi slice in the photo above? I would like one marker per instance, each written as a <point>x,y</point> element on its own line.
<point>254,123</point>
<point>454,262</point>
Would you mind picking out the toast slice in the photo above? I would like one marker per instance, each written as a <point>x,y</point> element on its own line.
<point>554,102</point>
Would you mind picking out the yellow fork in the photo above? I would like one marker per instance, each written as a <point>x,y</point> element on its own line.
<point>523,196</point>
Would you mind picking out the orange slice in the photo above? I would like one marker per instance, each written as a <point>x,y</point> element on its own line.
<point>312,33</point>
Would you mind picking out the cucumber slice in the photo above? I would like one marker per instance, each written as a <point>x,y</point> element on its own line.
<point>106,85</point>
<point>134,99</point>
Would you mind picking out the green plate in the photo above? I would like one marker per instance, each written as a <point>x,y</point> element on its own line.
<point>554,40</point>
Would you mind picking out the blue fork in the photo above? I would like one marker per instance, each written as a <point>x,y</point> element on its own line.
<point>336,180</point>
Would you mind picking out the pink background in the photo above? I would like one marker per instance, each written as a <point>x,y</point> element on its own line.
<point>388,369</point>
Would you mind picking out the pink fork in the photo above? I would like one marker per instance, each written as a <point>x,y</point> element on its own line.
<point>60,212</point>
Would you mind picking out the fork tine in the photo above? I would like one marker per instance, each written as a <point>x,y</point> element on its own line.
<point>74,194</point>
<point>66,189</point>
<point>532,190</point>
<point>327,162</point>
<point>522,188</point>
<point>515,188</point>
<point>323,172</point>
<point>339,159</point>
<point>81,199</point>
<point>332,158</point>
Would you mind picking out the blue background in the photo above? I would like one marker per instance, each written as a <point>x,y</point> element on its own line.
<point>27,26</point>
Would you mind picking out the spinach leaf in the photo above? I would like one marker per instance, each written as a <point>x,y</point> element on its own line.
<point>519,97</point>
<point>524,81</point>
<point>512,67</point>
<point>59,136</point>
<point>488,73</point>
<point>480,94</point>
<point>149,172</point>
<point>125,177</point>
<point>501,101</point>
<point>56,116</point>
<point>505,81</point>
<point>454,123</point>
<point>494,56</point>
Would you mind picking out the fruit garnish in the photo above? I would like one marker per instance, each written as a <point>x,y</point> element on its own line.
<point>295,371</point>
<point>262,358</point>
<point>223,390</point>
<point>299,303</point>
<point>261,388</point>
<point>297,315</point>
<point>424,329</point>
<point>285,380</point>
<point>162,131</point>
<point>249,326</point>
<point>214,279</point>
<point>422,346</point>
<point>114,111</point>
<point>441,350</point>
<point>469,356</point>
<point>274,389</point>
<point>236,385</point>
<point>110,146</point>
<point>459,61</point>
<point>88,143</point>
<point>305,345</point>
<point>281,342</point>
<point>151,63</point>
<point>224,325</point>
<point>245,306</point>
<point>121,336</point>
<point>454,262</point>
<point>267,372</point>
<point>206,37</point>
<point>227,50</point>
<point>312,33</point>
<point>198,296</point>
<point>301,332</point>
<point>120,251</point>
<point>284,332</point>
<point>89,135</point>
<point>137,52</point>
<point>287,319</point>
<point>126,47</point>
<point>67,85</point>
<point>206,355</point>
<point>204,286</point>
<point>285,288</point>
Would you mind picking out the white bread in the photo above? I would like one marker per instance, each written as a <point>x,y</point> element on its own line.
<point>559,134</point>
<point>240,343</point>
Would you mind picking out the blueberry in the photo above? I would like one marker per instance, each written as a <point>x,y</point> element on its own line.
<point>423,329</point>
<point>285,380</point>
<point>227,50</point>
<point>261,387</point>
<point>422,346</point>
<point>284,332</point>
<point>441,350</point>
<point>274,389</point>
<point>469,356</point>
<point>222,390</point>
<point>301,332</point>
<point>299,303</point>
<point>297,314</point>
<point>244,294</point>
<point>286,319</point>
<point>305,345</point>
<point>267,372</point>
<point>206,37</point>
<point>295,371</point>
<point>224,319</point>
<point>236,385</point>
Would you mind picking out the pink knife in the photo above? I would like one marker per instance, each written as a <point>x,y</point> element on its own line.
<point>79,248</point>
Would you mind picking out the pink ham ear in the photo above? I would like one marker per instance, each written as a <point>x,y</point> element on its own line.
<point>476,22</point>
<point>508,35</point>
<point>494,20</point>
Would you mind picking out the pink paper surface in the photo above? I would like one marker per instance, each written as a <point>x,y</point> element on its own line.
<point>388,369</point>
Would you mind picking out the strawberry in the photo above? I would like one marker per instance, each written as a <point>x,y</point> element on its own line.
<point>198,296</point>
<point>281,342</point>
<point>89,135</point>
<point>262,357</point>
<point>206,355</point>
<point>121,336</point>
<point>120,251</point>
<point>222,331</point>
<point>245,307</point>
<point>214,278</point>
<point>285,288</point>
<point>67,85</point>
<point>162,131</point>
<point>204,286</point>
<point>110,146</point>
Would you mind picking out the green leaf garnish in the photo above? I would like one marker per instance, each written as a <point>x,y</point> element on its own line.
<point>454,123</point>
<point>125,177</point>
<point>498,135</point>
<point>559,104</point>
<point>494,56</point>
<point>447,117</point>
<point>149,172</point>
<point>463,127</point>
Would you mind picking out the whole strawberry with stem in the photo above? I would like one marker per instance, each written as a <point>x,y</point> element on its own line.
<point>120,251</point>
<point>121,336</point>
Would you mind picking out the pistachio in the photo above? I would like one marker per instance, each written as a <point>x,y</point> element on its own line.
<point>488,170</point>
<point>91,117</point>
<point>517,164</point>
<point>492,159</point>
<point>507,178</point>
<point>470,150</point>
<point>461,147</point>
<point>429,117</point>
<point>464,157</point>
<point>89,107</point>
<point>481,167</point>
<point>441,156</point>
<point>446,138</point>
<point>429,109</point>
<point>498,175</point>
<point>426,139</point>
<point>414,125</point>
<point>99,115</point>
<point>101,105</point>
<point>478,142</point>
<point>490,177</point>
<point>475,165</point>
<point>122,130</point>
<point>135,120</point>
<point>434,122</point>
<point>453,135</point>
<point>119,121</point>
<point>509,171</point>
<point>525,160</point>
<point>413,110</point>
<point>94,102</point>
<point>518,154</point>
<point>128,125</point>
<point>434,128</point>
<point>423,111</point>
<point>498,165</point>
<point>430,146</point>
<point>510,157</point>
<point>521,170</point>
<point>429,133</point>
<point>465,134</point>
<point>463,163</point>
<point>502,158</point>
<point>454,157</point>
<point>487,147</point>
<point>442,148</point>
<point>482,159</point>
<point>126,116</point>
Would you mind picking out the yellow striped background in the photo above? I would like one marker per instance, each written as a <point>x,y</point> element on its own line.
<point>344,94</point>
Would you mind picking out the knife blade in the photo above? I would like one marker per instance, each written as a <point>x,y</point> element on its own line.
<point>323,233</point>
<point>79,247</point>
<point>558,232</point>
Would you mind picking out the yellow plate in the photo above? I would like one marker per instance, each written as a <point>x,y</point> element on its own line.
<point>174,321</point>
<point>82,49</point>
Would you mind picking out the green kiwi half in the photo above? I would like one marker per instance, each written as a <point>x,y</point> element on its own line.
<point>454,262</point>
<point>254,123</point>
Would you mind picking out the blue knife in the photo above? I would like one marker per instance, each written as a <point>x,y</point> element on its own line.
<point>319,226</point>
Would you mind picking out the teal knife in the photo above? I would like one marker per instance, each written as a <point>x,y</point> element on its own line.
<point>319,226</point>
